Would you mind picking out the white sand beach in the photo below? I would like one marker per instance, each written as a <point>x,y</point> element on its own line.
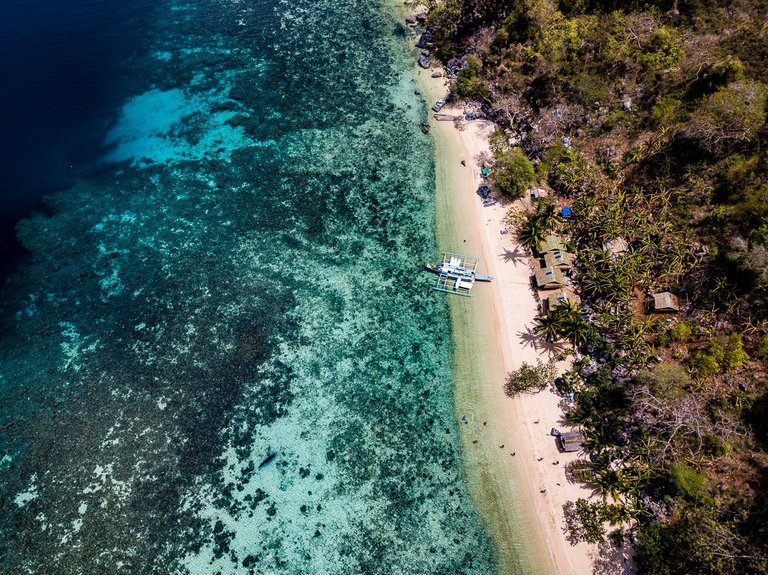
<point>515,470</point>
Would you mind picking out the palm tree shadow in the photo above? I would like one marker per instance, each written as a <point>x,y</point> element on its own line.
<point>565,406</point>
<point>530,339</point>
<point>612,560</point>
<point>516,256</point>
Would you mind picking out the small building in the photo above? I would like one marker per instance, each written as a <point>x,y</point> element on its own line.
<point>549,278</point>
<point>664,302</point>
<point>571,441</point>
<point>550,243</point>
<point>558,259</point>
<point>615,247</point>
<point>562,296</point>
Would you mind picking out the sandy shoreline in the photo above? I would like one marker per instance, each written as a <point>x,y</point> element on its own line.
<point>520,496</point>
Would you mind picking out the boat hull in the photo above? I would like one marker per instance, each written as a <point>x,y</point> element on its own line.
<point>430,267</point>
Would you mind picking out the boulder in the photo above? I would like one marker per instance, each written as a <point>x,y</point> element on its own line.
<point>437,74</point>
<point>424,40</point>
<point>424,62</point>
<point>410,20</point>
<point>452,67</point>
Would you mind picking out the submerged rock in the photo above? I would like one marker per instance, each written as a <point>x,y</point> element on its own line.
<point>267,460</point>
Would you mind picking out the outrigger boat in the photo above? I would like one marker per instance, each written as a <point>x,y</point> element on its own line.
<point>457,273</point>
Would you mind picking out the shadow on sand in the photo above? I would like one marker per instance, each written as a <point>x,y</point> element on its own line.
<point>516,256</point>
<point>538,343</point>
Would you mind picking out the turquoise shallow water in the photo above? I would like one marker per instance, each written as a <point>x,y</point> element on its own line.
<point>220,355</point>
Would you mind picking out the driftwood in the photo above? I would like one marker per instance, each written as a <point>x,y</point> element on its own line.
<point>447,117</point>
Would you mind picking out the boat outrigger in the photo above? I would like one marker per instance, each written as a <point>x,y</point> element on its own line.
<point>457,274</point>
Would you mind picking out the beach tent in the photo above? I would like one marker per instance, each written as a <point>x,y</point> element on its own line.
<point>566,212</point>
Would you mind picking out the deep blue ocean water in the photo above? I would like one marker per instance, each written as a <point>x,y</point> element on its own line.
<point>217,352</point>
<point>63,66</point>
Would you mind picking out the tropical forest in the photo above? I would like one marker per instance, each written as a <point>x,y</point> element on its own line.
<point>648,120</point>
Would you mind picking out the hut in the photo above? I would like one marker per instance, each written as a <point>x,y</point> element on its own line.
<point>664,302</point>
<point>571,441</point>
<point>562,296</point>
<point>558,259</point>
<point>615,247</point>
<point>550,243</point>
<point>549,278</point>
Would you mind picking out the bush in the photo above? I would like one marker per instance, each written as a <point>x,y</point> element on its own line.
<point>681,331</point>
<point>666,110</point>
<point>663,51</point>
<point>530,378</point>
<point>687,481</point>
<point>666,380</point>
<point>442,21</point>
<point>584,521</point>
<point>513,172</point>
<point>704,364</point>
<point>735,356</point>
<point>715,445</point>
<point>469,83</point>
<point>732,115</point>
<point>710,360</point>
<point>762,347</point>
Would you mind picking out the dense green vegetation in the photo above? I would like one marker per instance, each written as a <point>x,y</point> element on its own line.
<point>649,118</point>
<point>513,172</point>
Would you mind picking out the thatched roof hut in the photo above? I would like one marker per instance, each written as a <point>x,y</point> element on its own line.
<point>549,278</point>
<point>562,296</point>
<point>550,243</point>
<point>558,258</point>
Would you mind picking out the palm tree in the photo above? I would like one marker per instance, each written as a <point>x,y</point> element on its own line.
<point>578,331</point>
<point>546,211</point>
<point>634,336</point>
<point>566,309</point>
<point>549,327</point>
<point>610,481</point>
<point>531,232</point>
